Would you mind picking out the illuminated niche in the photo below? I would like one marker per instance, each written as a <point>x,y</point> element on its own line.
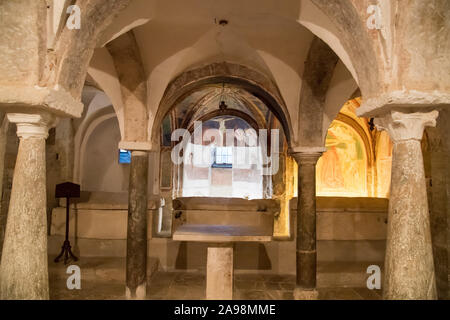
<point>342,169</point>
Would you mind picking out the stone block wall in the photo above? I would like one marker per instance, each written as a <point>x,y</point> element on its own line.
<point>349,230</point>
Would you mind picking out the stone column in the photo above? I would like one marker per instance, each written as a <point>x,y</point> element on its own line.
<point>409,268</point>
<point>306,226</point>
<point>24,266</point>
<point>219,273</point>
<point>436,162</point>
<point>65,148</point>
<point>136,278</point>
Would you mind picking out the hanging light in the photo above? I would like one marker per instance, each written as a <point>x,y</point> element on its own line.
<point>223,105</point>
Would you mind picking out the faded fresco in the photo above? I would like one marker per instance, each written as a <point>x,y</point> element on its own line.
<point>342,170</point>
<point>384,164</point>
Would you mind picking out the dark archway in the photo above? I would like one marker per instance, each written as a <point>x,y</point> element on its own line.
<point>254,82</point>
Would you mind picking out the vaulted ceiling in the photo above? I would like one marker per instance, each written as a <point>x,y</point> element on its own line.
<point>200,103</point>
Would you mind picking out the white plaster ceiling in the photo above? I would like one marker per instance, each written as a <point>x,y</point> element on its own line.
<point>177,35</point>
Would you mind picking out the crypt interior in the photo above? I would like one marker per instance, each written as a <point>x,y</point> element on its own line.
<point>354,171</point>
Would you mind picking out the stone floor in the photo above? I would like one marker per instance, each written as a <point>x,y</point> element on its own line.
<point>191,286</point>
<point>107,283</point>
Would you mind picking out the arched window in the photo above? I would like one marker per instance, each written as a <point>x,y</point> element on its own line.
<point>222,164</point>
<point>223,157</point>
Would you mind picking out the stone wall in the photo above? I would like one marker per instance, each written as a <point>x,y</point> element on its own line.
<point>351,232</point>
<point>100,166</point>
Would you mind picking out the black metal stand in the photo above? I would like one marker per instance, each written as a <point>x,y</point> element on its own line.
<point>66,250</point>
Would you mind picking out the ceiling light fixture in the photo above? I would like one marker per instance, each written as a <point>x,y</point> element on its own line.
<point>223,105</point>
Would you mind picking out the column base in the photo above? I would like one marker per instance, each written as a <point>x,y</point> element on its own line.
<point>305,294</point>
<point>141,293</point>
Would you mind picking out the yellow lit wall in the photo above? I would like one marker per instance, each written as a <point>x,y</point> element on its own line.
<point>342,170</point>
<point>358,160</point>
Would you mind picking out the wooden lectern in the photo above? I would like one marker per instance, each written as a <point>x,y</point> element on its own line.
<point>67,190</point>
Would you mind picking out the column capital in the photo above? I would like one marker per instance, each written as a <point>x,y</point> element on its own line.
<point>136,146</point>
<point>32,125</point>
<point>55,100</point>
<point>405,99</point>
<point>303,158</point>
<point>403,126</point>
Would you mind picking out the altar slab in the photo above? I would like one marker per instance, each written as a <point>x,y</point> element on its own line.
<point>220,233</point>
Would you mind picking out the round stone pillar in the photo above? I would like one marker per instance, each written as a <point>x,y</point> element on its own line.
<point>24,266</point>
<point>409,268</point>
<point>136,277</point>
<point>306,226</point>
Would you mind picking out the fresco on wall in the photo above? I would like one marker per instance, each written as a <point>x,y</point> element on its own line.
<point>215,169</point>
<point>166,132</point>
<point>384,164</point>
<point>166,170</point>
<point>342,170</point>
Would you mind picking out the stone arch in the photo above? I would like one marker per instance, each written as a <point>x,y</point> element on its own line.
<point>250,80</point>
<point>342,88</point>
<point>127,61</point>
<point>104,73</point>
<point>75,48</point>
<point>349,39</point>
<point>317,76</point>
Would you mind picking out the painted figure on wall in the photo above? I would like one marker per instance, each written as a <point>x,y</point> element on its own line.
<point>342,170</point>
<point>384,163</point>
<point>330,174</point>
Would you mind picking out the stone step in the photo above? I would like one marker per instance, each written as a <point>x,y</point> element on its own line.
<point>344,274</point>
<point>98,269</point>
